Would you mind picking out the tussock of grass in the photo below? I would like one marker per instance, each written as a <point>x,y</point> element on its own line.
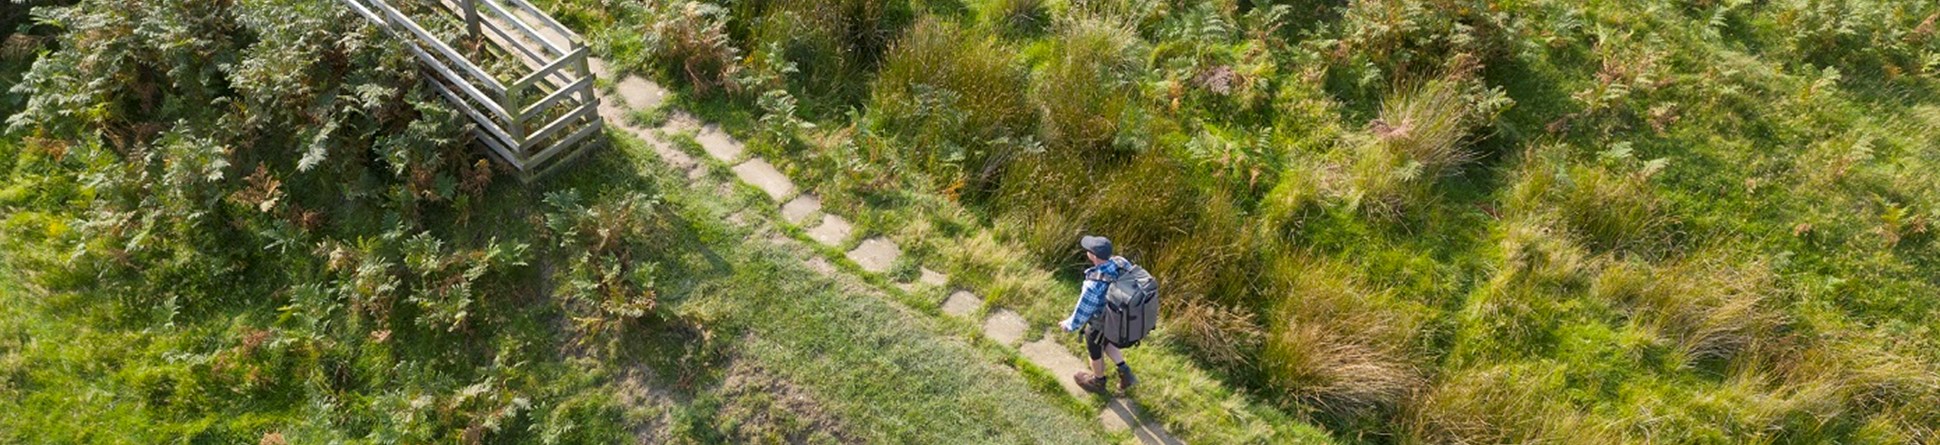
<point>689,39</point>
<point>1516,312</point>
<point>1418,139</point>
<point>955,103</point>
<point>1710,308</point>
<point>1502,404</point>
<point>1086,91</point>
<point>1604,207</point>
<point>1342,349</point>
<point>1016,18</point>
<point>832,43</point>
<point>1221,334</point>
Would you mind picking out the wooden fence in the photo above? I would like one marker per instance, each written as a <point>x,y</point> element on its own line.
<point>534,121</point>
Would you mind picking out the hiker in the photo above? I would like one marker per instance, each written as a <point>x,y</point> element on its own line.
<point>1117,306</point>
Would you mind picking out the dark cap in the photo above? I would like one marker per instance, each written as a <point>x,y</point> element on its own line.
<point>1097,245</point>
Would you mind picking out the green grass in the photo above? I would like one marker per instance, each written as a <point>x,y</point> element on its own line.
<point>1528,215</point>
<point>1393,221</point>
<point>859,349</point>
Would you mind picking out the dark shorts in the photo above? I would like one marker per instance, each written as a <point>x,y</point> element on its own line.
<point>1095,343</point>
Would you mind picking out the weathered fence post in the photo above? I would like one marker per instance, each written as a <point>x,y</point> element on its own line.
<point>471,18</point>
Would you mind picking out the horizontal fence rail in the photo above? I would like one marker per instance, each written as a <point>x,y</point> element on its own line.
<point>538,119</point>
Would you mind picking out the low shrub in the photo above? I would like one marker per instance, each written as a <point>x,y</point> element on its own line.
<point>609,275</point>
<point>442,279</point>
<point>1398,41</point>
<point>1869,36</point>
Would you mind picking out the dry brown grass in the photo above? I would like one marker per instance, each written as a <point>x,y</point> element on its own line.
<point>1339,347</point>
<point>1216,333</point>
<point>1499,405</point>
<point>1710,307</point>
<point>1420,136</point>
<point>1083,93</point>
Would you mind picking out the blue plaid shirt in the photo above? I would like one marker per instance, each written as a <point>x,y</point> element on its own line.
<point>1091,296</point>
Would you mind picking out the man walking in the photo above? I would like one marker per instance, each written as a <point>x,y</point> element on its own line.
<point>1104,269</point>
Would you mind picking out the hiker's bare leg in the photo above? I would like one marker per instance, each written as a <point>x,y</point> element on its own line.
<point>1112,353</point>
<point>1098,367</point>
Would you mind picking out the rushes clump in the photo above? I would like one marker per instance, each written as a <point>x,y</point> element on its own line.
<point>1419,138</point>
<point>1499,404</point>
<point>955,103</point>
<point>1087,91</point>
<point>1709,308</point>
<point>1338,347</point>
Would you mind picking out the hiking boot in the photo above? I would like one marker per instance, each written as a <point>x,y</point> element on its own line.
<point>1093,383</point>
<point>1125,381</point>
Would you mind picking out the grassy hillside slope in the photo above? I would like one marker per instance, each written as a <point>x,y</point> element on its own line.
<point>1412,221</point>
<point>247,222</point>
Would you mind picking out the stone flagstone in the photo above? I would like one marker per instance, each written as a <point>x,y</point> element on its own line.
<point>1118,415</point>
<point>875,254</point>
<point>1121,414</point>
<point>832,232</point>
<point>599,67</point>
<point>931,278</point>
<point>1005,326</point>
<point>799,209</point>
<point>718,144</point>
<point>639,94</point>
<point>961,304</point>
<point>614,114</point>
<point>672,156</point>
<point>1048,354</point>
<point>924,277</point>
<point>764,176</point>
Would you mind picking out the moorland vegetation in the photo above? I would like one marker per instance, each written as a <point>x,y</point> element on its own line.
<point>1403,221</point>
<point>1409,221</point>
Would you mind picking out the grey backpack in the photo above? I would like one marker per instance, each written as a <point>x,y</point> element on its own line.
<point>1131,307</point>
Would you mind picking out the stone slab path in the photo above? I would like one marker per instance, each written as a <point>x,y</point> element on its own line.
<point>764,176</point>
<point>931,278</point>
<point>718,144</point>
<point>1122,414</point>
<point>962,304</point>
<point>833,230</point>
<point>875,255</point>
<point>798,210</point>
<point>639,94</point>
<point>1047,353</point>
<point>1005,326</point>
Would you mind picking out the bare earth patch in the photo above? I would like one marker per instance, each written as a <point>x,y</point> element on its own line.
<point>758,407</point>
